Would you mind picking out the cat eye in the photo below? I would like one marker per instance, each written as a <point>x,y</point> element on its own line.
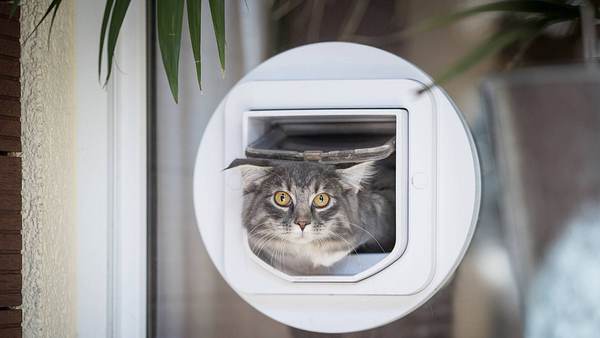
<point>282,198</point>
<point>321,200</point>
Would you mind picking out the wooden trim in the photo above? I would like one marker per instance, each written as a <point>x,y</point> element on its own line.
<point>10,107</point>
<point>10,242</point>
<point>10,200</point>
<point>13,299</point>
<point>10,282</point>
<point>10,220</point>
<point>9,27</point>
<point>9,67</point>
<point>10,87</point>
<point>10,175</point>
<point>10,262</point>
<point>10,49</point>
<point>5,10</point>
<point>8,317</point>
<point>10,167</point>
<point>10,127</point>
<point>14,332</point>
<point>9,143</point>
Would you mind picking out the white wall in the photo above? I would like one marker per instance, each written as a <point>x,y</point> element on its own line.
<point>48,136</point>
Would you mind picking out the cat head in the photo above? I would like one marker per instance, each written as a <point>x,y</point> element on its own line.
<point>302,203</point>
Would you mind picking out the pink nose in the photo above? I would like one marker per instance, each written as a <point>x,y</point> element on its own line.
<point>302,224</point>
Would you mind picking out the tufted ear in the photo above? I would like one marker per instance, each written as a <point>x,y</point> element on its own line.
<point>354,177</point>
<point>254,171</point>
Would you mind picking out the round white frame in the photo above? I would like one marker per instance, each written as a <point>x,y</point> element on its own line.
<point>455,180</point>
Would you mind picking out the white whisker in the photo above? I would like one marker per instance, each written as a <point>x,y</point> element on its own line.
<point>350,246</point>
<point>368,233</point>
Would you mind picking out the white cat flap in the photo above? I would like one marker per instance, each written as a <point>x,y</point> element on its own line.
<point>342,182</point>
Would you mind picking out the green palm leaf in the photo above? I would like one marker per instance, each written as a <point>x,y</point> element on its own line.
<point>13,8</point>
<point>489,47</point>
<point>105,19</point>
<point>116,21</point>
<point>169,21</point>
<point>544,8</point>
<point>52,21</point>
<point>217,12</point>
<point>194,8</point>
<point>53,7</point>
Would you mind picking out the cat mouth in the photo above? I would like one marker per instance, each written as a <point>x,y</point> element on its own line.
<point>305,237</point>
<point>295,237</point>
<point>302,239</point>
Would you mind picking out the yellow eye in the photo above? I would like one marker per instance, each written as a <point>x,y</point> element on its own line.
<point>321,200</point>
<point>282,198</point>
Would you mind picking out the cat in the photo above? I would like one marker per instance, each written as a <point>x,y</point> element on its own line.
<point>303,217</point>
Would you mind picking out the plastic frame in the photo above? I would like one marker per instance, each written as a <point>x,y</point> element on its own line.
<point>413,256</point>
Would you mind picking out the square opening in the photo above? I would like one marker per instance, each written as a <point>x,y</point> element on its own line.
<point>340,139</point>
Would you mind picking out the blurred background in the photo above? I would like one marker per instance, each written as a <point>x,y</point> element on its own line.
<point>533,268</point>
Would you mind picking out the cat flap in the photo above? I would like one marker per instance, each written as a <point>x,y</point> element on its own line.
<point>437,181</point>
<point>330,142</point>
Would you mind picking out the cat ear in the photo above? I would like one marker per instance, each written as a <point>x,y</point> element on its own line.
<point>355,176</point>
<point>254,171</point>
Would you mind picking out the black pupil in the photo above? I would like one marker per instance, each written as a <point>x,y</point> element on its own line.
<point>282,197</point>
<point>321,198</point>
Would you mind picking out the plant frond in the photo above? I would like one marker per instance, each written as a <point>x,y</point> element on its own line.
<point>217,12</point>
<point>54,5</point>
<point>491,46</point>
<point>169,21</point>
<point>116,21</point>
<point>542,8</point>
<point>105,19</point>
<point>194,11</point>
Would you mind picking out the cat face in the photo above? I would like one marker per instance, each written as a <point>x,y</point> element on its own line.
<point>301,205</point>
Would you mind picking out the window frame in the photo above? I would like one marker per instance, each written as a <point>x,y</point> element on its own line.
<point>111,177</point>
